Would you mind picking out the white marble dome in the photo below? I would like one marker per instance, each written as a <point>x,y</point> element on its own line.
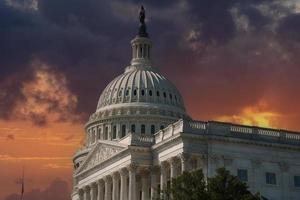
<point>140,85</point>
<point>140,100</point>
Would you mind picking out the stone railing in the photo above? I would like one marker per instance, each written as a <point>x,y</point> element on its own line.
<point>138,139</point>
<point>227,130</point>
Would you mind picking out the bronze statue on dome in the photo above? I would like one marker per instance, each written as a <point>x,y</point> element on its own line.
<point>142,29</point>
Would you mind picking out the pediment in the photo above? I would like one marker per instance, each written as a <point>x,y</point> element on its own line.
<point>101,152</point>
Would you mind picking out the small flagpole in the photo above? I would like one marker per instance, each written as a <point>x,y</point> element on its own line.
<point>22,189</point>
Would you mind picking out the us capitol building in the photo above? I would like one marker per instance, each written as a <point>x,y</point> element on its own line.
<point>140,137</point>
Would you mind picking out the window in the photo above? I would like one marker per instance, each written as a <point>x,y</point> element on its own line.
<point>175,98</point>
<point>165,95</point>
<point>127,92</point>
<point>150,92</point>
<point>99,133</point>
<point>242,174</point>
<point>123,130</point>
<point>297,181</point>
<point>114,132</point>
<point>120,93</point>
<point>271,178</point>
<point>143,128</point>
<point>152,129</point>
<point>133,128</point>
<point>143,92</point>
<point>157,93</point>
<point>134,92</point>
<point>170,95</point>
<point>106,133</point>
<point>162,127</point>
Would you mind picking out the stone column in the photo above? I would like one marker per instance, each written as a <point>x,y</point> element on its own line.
<point>100,190</point>
<point>256,178</point>
<point>173,167</point>
<point>107,195</point>
<point>81,194</point>
<point>116,191</point>
<point>163,175</point>
<point>184,162</point>
<point>132,182</point>
<point>93,191</point>
<point>124,187</point>
<point>284,167</point>
<point>145,184</point>
<point>86,193</point>
<point>154,174</point>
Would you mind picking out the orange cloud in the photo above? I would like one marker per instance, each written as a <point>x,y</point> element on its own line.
<point>257,115</point>
<point>46,97</point>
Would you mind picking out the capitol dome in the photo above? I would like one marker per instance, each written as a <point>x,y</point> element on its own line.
<point>140,100</point>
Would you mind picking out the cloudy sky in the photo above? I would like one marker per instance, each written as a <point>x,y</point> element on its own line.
<point>232,60</point>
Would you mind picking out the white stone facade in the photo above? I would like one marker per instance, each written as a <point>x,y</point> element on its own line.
<point>140,137</point>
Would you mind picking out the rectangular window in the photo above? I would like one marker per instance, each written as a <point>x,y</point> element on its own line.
<point>242,174</point>
<point>297,181</point>
<point>271,178</point>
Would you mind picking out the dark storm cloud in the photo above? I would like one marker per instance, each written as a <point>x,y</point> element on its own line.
<point>88,41</point>
<point>58,190</point>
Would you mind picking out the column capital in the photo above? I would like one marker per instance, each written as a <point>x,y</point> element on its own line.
<point>145,171</point>
<point>155,169</point>
<point>115,176</point>
<point>184,156</point>
<point>284,166</point>
<point>173,160</point>
<point>256,163</point>
<point>100,182</point>
<point>107,179</point>
<point>123,172</point>
<point>164,164</point>
<point>132,167</point>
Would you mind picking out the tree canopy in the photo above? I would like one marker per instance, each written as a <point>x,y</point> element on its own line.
<point>193,186</point>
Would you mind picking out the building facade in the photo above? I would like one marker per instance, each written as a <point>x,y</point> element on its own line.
<point>140,137</point>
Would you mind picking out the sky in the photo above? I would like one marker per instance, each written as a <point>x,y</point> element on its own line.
<point>232,60</point>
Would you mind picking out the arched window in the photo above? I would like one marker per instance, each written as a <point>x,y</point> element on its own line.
<point>143,128</point>
<point>162,127</point>
<point>150,92</point>
<point>114,132</point>
<point>134,92</point>
<point>123,130</point>
<point>143,92</point>
<point>132,128</point>
<point>152,129</point>
<point>157,93</point>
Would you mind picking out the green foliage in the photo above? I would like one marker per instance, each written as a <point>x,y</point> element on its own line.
<point>192,186</point>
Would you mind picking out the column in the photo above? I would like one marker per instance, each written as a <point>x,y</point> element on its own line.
<point>184,162</point>
<point>100,190</point>
<point>81,194</point>
<point>124,187</point>
<point>107,194</point>
<point>257,176</point>
<point>173,167</point>
<point>145,184</point>
<point>163,176</point>
<point>85,193</point>
<point>154,174</point>
<point>93,191</point>
<point>132,182</point>
<point>116,191</point>
<point>284,167</point>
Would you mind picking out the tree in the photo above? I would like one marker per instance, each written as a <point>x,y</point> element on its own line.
<point>192,186</point>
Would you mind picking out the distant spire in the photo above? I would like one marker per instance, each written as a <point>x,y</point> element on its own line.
<point>142,29</point>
